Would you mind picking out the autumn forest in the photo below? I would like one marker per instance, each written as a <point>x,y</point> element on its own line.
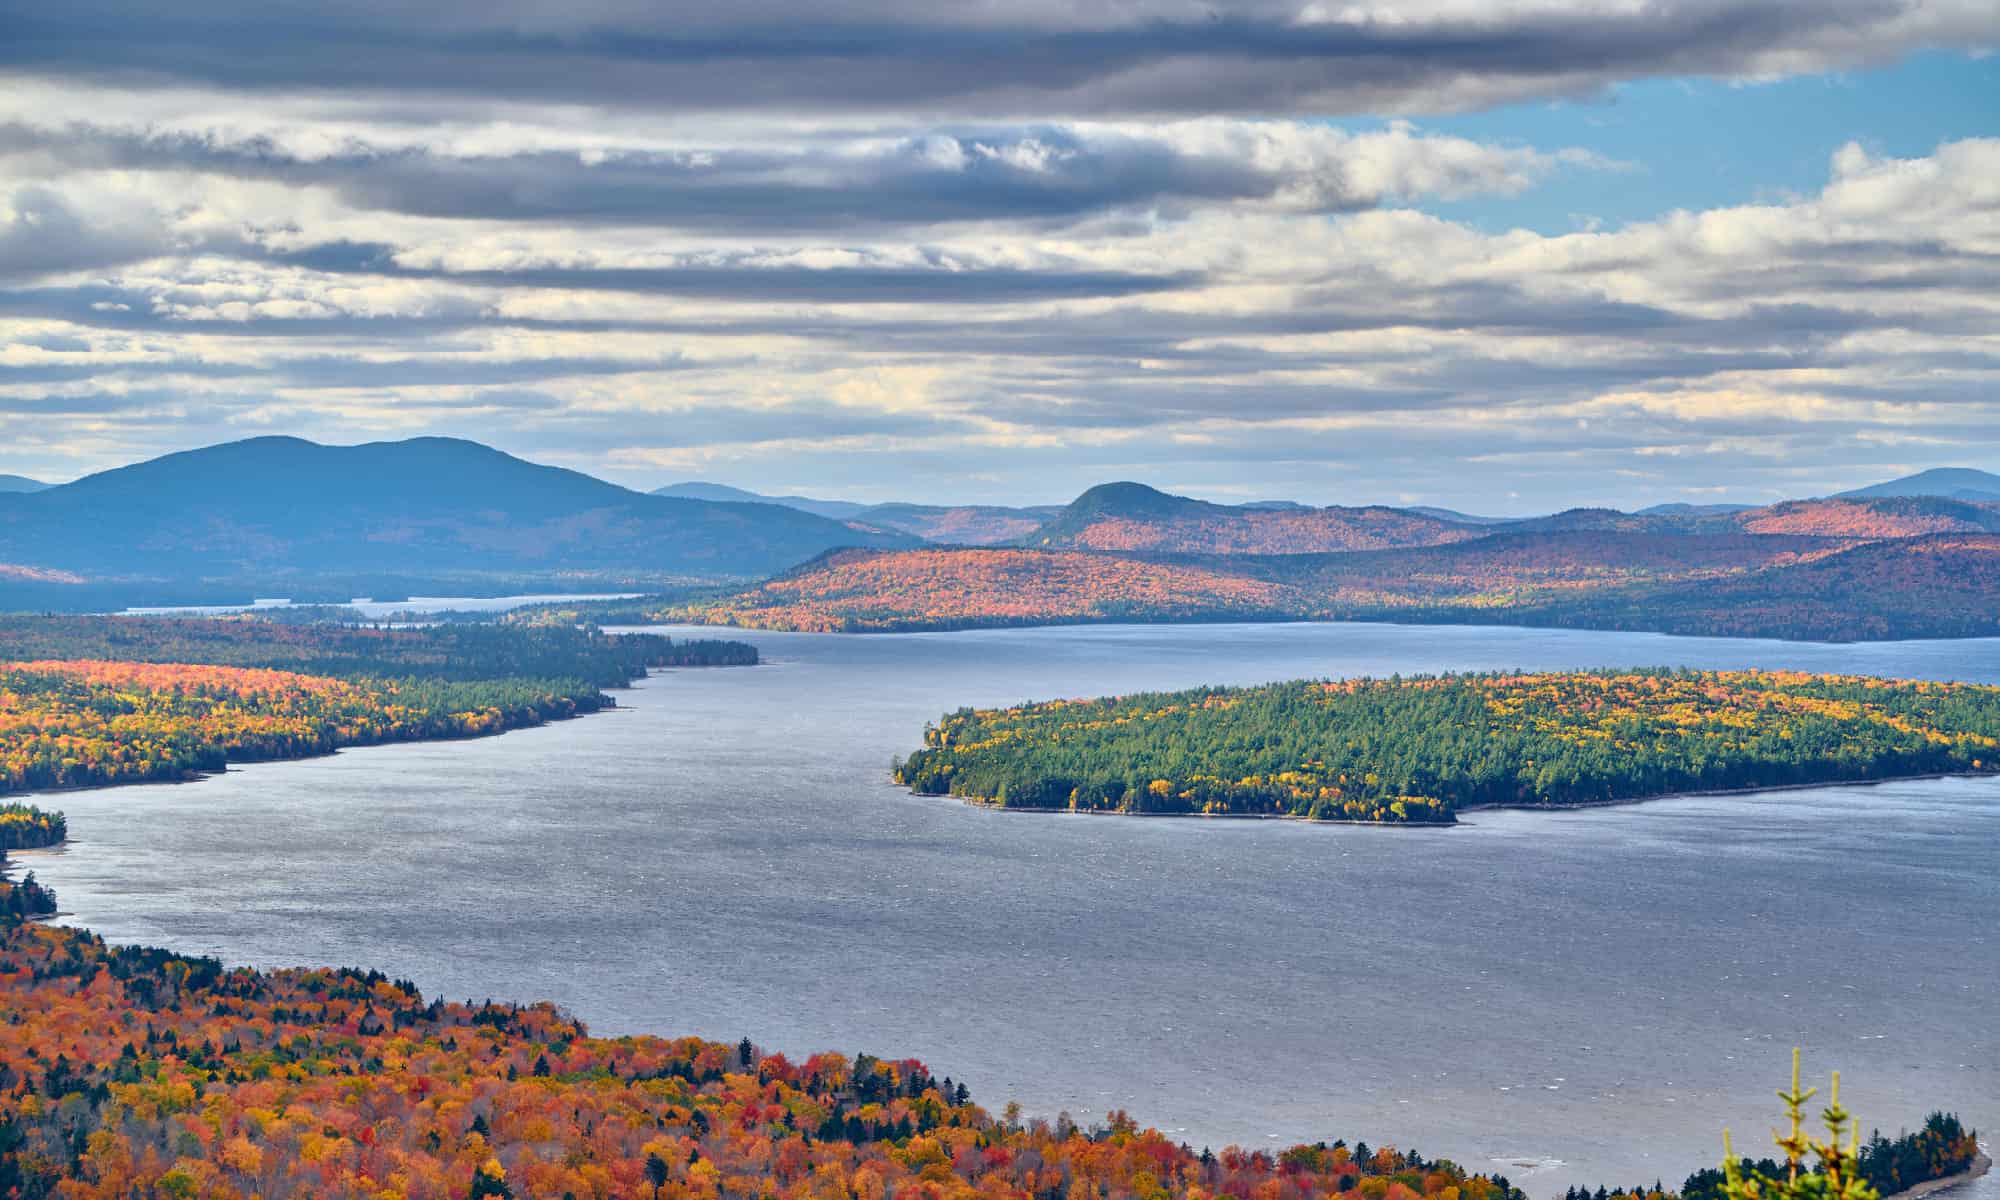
<point>1422,749</point>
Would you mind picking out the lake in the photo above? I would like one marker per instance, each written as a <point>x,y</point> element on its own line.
<point>1595,992</point>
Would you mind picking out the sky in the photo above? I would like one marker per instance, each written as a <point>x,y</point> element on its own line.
<point>1503,257</point>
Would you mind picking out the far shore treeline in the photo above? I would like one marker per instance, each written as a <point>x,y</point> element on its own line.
<point>1421,749</point>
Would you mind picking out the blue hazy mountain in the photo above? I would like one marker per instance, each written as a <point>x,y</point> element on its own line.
<point>279,508</point>
<point>1953,483</point>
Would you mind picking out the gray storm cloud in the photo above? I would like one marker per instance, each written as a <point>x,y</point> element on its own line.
<point>1145,57</point>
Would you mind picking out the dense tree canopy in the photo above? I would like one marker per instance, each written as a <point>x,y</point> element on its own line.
<point>128,1071</point>
<point>350,651</point>
<point>1422,748</point>
<point>1733,584</point>
<point>84,723</point>
<point>25,827</point>
<point>122,700</point>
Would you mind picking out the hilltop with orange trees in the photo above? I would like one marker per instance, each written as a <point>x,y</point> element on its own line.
<point>1945,585</point>
<point>863,590</point>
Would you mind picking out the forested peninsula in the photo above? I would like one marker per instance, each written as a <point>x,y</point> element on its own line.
<point>89,701</point>
<point>1419,750</point>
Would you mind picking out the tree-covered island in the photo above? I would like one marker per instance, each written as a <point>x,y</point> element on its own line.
<point>1421,749</point>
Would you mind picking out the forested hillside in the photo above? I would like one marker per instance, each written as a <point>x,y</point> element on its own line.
<point>1420,750</point>
<point>1873,517</point>
<point>133,1071</point>
<point>1729,585</point>
<point>865,591</point>
<point>1945,586</point>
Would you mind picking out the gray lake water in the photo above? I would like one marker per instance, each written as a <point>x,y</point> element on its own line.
<point>1599,992</point>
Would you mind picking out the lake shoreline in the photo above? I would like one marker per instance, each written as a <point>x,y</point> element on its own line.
<point>1979,1166</point>
<point>1457,619</point>
<point>610,705</point>
<point>1512,806</point>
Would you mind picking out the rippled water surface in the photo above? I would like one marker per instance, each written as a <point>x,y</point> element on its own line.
<point>1601,991</point>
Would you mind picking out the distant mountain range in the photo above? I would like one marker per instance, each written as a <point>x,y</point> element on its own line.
<point>20,483</point>
<point>282,516</point>
<point>1136,518</point>
<point>839,510</point>
<point>1871,566</point>
<point>273,512</point>
<point>958,524</point>
<point>1952,483</point>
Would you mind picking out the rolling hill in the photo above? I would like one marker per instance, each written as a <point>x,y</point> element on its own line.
<point>1137,518</point>
<point>21,483</point>
<point>1855,518</point>
<point>980,587</point>
<point>1734,584</point>
<point>1941,586</point>
<point>1873,517</point>
<point>282,511</point>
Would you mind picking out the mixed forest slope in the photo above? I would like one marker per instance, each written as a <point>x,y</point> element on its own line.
<point>1730,585</point>
<point>864,591</point>
<point>1945,586</point>
<point>1873,517</point>
<point>1422,749</point>
<point>135,1071</point>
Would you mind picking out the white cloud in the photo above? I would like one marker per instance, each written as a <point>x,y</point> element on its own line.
<point>1213,297</point>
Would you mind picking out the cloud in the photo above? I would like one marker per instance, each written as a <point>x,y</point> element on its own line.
<point>838,253</point>
<point>43,232</point>
<point>1149,57</point>
<point>856,181</point>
